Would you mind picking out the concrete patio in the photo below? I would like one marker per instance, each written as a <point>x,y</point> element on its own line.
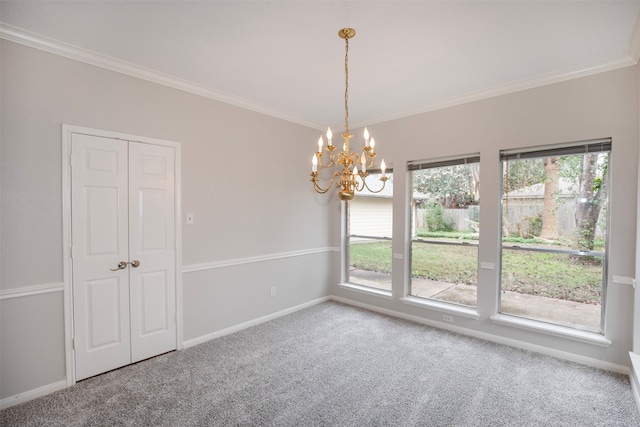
<point>561,312</point>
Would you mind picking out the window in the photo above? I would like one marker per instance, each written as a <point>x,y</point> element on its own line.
<point>554,227</point>
<point>370,223</point>
<point>445,224</point>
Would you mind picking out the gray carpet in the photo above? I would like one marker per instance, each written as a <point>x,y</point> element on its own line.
<point>335,365</point>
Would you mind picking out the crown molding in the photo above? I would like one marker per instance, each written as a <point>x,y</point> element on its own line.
<point>18,35</point>
<point>27,38</point>
<point>505,89</point>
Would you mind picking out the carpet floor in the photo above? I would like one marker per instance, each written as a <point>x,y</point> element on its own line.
<point>336,365</point>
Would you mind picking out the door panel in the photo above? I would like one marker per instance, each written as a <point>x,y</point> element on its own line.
<point>103,221</point>
<point>103,299</point>
<point>153,220</point>
<point>153,294</point>
<point>100,241</point>
<point>152,242</point>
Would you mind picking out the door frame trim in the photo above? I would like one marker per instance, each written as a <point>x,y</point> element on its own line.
<point>67,132</point>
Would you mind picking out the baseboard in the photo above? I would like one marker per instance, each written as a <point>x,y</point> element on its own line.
<point>32,394</point>
<point>254,322</point>
<point>50,388</point>
<point>634,377</point>
<point>634,372</point>
<point>613,367</point>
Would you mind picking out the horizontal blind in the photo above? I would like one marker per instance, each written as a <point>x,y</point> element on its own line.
<point>376,170</point>
<point>591,146</point>
<point>428,164</point>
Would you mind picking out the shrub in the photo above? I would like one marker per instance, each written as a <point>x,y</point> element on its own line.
<point>435,220</point>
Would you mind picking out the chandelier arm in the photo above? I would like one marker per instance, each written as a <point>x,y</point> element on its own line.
<point>332,162</point>
<point>332,157</point>
<point>317,187</point>
<point>384,183</point>
<point>372,159</point>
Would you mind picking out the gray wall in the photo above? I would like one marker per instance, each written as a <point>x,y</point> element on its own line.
<point>602,105</point>
<point>244,176</point>
<point>239,215</point>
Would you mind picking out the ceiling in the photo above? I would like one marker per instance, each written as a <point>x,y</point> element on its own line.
<point>284,58</point>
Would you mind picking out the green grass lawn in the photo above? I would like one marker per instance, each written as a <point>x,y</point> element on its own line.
<point>534,273</point>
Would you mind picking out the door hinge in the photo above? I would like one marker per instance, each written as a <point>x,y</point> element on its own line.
<point>73,343</point>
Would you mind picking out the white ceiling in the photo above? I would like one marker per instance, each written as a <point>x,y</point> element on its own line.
<point>284,58</point>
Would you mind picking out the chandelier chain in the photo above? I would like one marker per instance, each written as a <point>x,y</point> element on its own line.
<point>346,84</point>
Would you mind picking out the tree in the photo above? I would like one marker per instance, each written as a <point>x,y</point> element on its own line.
<point>523,173</point>
<point>452,186</point>
<point>550,206</point>
<point>591,195</point>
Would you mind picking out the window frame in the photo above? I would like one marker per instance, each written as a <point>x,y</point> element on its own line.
<point>416,165</point>
<point>346,242</point>
<point>599,145</point>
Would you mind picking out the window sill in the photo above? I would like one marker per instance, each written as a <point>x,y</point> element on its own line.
<point>443,307</point>
<point>366,290</point>
<point>554,330</point>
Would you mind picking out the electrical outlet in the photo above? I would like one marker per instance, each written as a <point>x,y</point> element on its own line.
<point>273,291</point>
<point>447,318</point>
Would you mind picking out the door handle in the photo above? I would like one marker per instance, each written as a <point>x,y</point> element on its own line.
<point>123,264</point>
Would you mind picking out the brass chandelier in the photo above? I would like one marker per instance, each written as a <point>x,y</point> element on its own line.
<point>348,180</point>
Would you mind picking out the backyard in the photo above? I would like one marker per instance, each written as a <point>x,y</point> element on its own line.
<point>550,264</point>
<point>553,275</point>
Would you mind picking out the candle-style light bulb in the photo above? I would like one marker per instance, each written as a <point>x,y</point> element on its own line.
<point>314,164</point>
<point>329,136</point>
<point>383,166</point>
<point>355,170</point>
<point>366,136</point>
<point>372,144</point>
<point>320,142</point>
<point>363,162</point>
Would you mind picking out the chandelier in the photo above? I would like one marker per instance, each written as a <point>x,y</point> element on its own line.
<point>348,180</point>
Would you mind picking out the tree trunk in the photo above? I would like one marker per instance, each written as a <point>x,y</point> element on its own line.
<point>550,208</point>
<point>475,181</point>
<point>589,203</point>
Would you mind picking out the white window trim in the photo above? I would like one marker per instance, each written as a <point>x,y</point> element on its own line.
<point>366,290</point>
<point>449,308</point>
<point>552,329</point>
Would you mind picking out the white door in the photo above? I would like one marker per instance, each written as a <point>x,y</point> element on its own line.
<point>123,252</point>
<point>152,243</point>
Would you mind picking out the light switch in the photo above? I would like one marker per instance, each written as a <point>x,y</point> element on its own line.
<point>189,218</point>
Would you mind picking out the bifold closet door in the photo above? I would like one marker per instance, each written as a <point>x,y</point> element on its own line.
<point>123,254</point>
